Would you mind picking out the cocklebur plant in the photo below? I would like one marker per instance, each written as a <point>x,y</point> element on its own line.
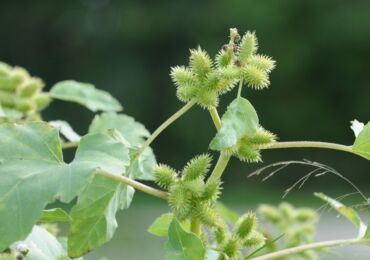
<point>114,155</point>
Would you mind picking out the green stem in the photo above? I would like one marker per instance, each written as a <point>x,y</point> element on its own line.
<point>221,164</point>
<point>240,88</point>
<point>215,117</point>
<point>135,184</point>
<point>302,248</point>
<point>195,226</point>
<point>165,124</point>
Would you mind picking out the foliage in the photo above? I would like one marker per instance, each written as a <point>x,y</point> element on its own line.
<point>115,153</point>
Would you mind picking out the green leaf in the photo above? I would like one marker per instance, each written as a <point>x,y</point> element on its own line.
<point>182,245</point>
<point>362,142</point>
<point>239,120</point>
<point>367,233</point>
<point>54,215</point>
<point>160,226</point>
<point>33,173</point>
<point>347,212</point>
<point>93,216</point>
<point>135,133</point>
<point>66,130</point>
<point>85,94</point>
<point>41,245</point>
<point>227,213</point>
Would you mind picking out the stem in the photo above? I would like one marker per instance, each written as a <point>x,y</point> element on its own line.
<point>240,88</point>
<point>215,117</point>
<point>299,249</point>
<point>309,144</point>
<point>137,185</point>
<point>69,145</point>
<point>220,167</point>
<point>195,226</point>
<point>165,124</point>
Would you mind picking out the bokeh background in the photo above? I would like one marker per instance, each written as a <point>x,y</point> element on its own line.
<point>321,83</point>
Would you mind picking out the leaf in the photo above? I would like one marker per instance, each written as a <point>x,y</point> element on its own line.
<point>33,173</point>
<point>85,94</point>
<point>66,130</point>
<point>160,226</point>
<point>93,216</point>
<point>347,212</point>
<point>239,120</point>
<point>135,133</point>
<point>367,233</point>
<point>227,213</point>
<point>54,215</point>
<point>362,142</point>
<point>356,127</point>
<point>41,245</point>
<point>182,245</point>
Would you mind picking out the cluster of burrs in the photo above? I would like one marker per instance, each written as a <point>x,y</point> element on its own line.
<point>21,95</point>
<point>296,224</point>
<point>204,79</point>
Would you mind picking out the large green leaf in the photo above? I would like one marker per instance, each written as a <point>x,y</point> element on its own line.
<point>54,215</point>
<point>362,142</point>
<point>85,94</point>
<point>33,173</point>
<point>182,245</point>
<point>93,216</point>
<point>41,245</point>
<point>135,133</point>
<point>239,120</point>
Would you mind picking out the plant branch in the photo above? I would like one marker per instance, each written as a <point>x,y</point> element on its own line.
<point>165,124</point>
<point>135,184</point>
<point>195,225</point>
<point>302,248</point>
<point>221,164</point>
<point>240,88</point>
<point>69,145</point>
<point>309,144</point>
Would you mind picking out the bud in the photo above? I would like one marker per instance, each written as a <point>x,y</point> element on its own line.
<point>195,187</point>
<point>180,202</point>
<point>306,215</point>
<point>31,87</point>
<point>225,57</point>
<point>247,47</point>
<point>182,76</point>
<point>245,225</point>
<point>269,213</point>
<point>262,137</point>
<point>206,98</point>
<point>212,190</point>
<point>164,176</point>
<point>262,62</point>
<point>255,240</point>
<point>186,93</point>
<point>42,100</point>
<point>197,167</point>
<point>206,214</point>
<point>231,247</point>
<point>19,75</point>
<point>255,78</point>
<point>247,153</point>
<point>200,63</point>
<point>7,99</point>
<point>25,105</point>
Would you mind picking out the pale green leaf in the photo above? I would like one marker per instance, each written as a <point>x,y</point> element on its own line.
<point>182,245</point>
<point>160,226</point>
<point>135,133</point>
<point>239,120</point>
<point>66,130</point>
<point>33,173</point>
<point>367,233</point>
<point>227,213</point>
<point>347,212</point>
<point>362,142</point>
<point>41,245</point>
<point>85,94</point>
<point>54,215</point>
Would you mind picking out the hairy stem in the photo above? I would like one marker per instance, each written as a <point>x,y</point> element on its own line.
<point>215,117</point>
<point>195,226</point>
<point>165,124</point>
<point>302,248</point>
<point>137,185</point>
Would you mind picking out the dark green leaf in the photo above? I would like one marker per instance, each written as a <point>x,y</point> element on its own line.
<point>33,173</point>
<point>362,142</point>
<point>239,120</point>
<point>85,94</point>
<point>182,245</point>
<point>54,215</point>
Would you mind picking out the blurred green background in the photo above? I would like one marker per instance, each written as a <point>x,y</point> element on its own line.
<point>321,83</point>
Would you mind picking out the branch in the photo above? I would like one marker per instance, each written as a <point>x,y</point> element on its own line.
<point>299,249</point>
<point>137,185</point>
<point>69,145</point>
